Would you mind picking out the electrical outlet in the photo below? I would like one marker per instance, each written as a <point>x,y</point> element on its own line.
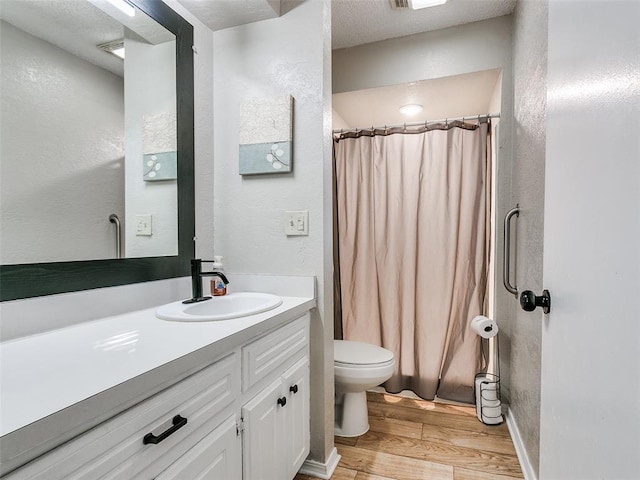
<point>297,223</point>
<point>143,225</point>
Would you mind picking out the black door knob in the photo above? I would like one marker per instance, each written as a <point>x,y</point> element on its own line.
<point>282,401</point>
<point>294,389</point>
<point>529,301</point>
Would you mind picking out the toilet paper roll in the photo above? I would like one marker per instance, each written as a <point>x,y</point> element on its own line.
<point>492,415</point>
<point>484,326</point>
<point>486,388</point>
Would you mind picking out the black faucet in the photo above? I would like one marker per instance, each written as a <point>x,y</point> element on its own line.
<point>196,280</point>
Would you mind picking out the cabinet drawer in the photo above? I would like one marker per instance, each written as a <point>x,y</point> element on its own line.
<point>265,355</point>
<point>115,449</point>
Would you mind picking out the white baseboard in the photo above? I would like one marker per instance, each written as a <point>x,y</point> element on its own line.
<point>321,470</point>
<point>523,458</point>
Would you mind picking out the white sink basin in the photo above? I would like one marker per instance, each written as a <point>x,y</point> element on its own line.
<point>233,305</point>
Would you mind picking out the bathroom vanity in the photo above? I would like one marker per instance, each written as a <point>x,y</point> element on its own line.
<point>133,396</point>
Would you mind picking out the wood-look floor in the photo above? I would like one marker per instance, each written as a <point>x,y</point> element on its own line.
<point>418,440</point>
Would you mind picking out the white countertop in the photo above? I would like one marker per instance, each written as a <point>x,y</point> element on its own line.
<point>58,371</point>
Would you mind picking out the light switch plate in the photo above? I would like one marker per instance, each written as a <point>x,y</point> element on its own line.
<point>297,223</point>
<point>143,225</point>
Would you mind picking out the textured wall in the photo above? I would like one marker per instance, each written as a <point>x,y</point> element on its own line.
<point>286,55</point>
<point>62,153</point>
<point>452,51</point>
<point>529,108</point>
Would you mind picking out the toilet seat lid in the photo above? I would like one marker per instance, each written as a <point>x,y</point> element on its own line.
<point>359,353</point>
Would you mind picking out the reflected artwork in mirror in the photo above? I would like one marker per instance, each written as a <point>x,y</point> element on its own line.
<point>68,147</point>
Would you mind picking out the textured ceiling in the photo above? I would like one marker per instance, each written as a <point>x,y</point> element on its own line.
<point>356,22</point>
<point>220,14</point>
<point>79,26</point>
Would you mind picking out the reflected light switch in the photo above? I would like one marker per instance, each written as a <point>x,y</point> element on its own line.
<point>143,225</point>
<point>297,223</point>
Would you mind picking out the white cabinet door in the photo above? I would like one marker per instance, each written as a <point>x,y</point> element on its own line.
<point>218,456</point>
<point>263,453</point>
<point>295,427</point>
<point>276,427</point>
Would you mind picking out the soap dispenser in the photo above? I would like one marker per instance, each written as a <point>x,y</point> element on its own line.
<point>218,287</point>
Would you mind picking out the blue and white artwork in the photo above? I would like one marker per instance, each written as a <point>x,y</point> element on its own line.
<point>266,136</point>
<point>160,166</point>
<point>159,147</point>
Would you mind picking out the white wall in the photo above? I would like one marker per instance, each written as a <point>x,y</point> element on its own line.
<point>590,427</point>
<point>524,328</point>
<point>62,153</point>
<point>285,55</point>
<point>150,90</point>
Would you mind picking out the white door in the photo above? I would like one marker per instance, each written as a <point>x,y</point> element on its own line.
<point>264,455</point>
<point>590,380</point>
<point>295,428</point>
<point>217,456</point>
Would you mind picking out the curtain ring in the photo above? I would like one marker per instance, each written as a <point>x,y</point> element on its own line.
<point>404,130</point>
<point>446,123</point>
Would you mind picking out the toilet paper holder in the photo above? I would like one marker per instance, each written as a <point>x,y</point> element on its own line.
<point>488,399</point>
<point>529,301</point>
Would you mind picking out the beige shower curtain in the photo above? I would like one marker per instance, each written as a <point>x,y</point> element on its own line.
<point>413,233</point>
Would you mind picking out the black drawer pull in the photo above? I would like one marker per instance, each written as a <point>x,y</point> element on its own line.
<point>282,401</point>
<point>178,423</point>
<point>294,389</point>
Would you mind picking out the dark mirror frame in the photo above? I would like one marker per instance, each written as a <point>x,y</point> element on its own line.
<point>39,279</point>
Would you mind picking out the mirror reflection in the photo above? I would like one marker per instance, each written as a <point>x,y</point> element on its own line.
<point>88,132</point>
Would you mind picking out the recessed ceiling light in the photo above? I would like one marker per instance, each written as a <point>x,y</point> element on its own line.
<point>115,48</point>
<point>418,4</point>
<point>411,109</point>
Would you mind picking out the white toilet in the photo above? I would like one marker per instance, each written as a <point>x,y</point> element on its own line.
<point>357,367</point>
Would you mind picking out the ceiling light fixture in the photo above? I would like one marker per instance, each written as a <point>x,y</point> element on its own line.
<point>123,6</point>
<point>418,4</point>
<point>115,48</point>
<point>411,109</point>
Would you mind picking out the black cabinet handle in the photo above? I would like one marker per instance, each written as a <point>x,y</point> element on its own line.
<point>282,401</point>
<point>178,423</point>
<point>294,389</point>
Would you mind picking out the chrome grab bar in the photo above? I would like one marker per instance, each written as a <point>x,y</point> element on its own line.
<point>506,259</point>
<point>113,218</point>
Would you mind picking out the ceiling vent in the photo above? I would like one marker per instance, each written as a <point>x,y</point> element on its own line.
<point>399,4</point>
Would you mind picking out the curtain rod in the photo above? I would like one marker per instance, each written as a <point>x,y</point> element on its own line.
<point>424,123</point>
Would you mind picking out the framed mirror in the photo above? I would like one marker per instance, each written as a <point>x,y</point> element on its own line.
<point>152,153</point>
